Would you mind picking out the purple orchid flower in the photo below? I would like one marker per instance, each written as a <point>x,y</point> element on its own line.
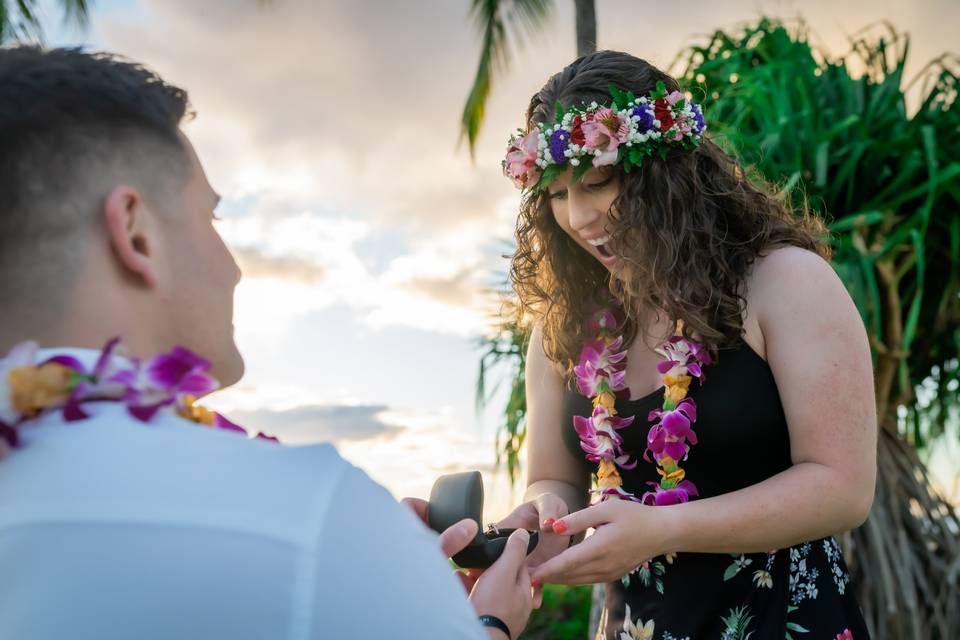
<point>662,497</point>
<point>599,438</point>
<point>680,351</point>
<point>103,382</point>
<point>164,378</point>
<point>601,319</point>
<point>617,492</point>
<point>669,436</point>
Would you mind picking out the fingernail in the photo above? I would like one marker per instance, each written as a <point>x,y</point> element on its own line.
<point>548,523</point>
<point>560,527</point>
<point>536,582</point>
<point>521,535</point>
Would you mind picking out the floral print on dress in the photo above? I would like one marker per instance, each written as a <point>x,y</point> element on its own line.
<point>641,630</point>
<point>638,630</point>
<point>763,578</point>
<point>650,572</point>
<point>845,635</point>
<point>803,579</point>
<point>840,577</point>
<point>737,623</point>
<point>793,626</point>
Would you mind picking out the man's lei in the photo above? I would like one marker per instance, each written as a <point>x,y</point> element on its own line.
<point>30,387</point>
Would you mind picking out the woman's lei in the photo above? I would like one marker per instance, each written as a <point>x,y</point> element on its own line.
<point>600,375</point>
<point>624,133</point>
<point>29,388</point>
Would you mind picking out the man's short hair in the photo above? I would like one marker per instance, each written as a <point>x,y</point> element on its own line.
<point>73,125</point>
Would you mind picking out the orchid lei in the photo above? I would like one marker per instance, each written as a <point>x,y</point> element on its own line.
<point>29,388</point>
<point>624,133</point>
<point>600,375</point>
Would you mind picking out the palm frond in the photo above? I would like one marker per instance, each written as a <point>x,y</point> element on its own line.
<point>499,22</point>
<point>20,19</point>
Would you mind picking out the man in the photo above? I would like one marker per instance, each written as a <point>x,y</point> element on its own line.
<point>115,528</point>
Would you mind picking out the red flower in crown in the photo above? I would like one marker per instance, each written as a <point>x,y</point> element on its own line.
<point>577,136</point>
<point>661,108</point>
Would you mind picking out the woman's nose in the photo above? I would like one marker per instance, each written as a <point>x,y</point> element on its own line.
<point>583,215</point>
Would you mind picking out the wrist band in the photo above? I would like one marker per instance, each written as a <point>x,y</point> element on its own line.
<point>496,623</point>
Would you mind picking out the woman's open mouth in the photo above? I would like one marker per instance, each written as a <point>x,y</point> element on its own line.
<point>600,244</point>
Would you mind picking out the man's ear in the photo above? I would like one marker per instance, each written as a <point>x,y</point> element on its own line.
<point>127,223</point>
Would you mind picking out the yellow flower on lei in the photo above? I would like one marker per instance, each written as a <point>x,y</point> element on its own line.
<point>194,412</point>
<point>33,389</point>
<point>607,475</point>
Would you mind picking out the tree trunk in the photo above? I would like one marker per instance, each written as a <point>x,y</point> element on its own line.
<point>586,26</point>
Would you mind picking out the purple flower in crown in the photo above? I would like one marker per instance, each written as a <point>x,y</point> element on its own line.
<point>647,118</point>
<point>699,125</point>
<point>559,142</point>
<point>662,497</point>
<point>161,380</point>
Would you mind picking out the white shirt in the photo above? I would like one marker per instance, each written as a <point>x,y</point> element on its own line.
<point>114,528</point>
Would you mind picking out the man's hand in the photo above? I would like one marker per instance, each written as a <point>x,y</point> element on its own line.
<point>453,540</point>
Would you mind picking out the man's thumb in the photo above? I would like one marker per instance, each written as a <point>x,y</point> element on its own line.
<point>516,549</point>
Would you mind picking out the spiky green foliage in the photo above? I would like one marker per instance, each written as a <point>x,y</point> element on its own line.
<point>505,352</point>
<point>877,155</point>
<point>20,20</point>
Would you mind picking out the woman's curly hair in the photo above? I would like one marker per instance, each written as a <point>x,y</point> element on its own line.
<point>686,227</point>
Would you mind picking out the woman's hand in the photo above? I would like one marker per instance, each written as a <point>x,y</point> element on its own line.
<point>540,514</point>
<point>627,534</point>
<point>504,589</point>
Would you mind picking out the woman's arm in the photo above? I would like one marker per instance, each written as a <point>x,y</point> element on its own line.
<point>818,351</point>
<point>551,468</point>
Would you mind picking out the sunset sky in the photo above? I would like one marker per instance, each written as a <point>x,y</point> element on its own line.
<point>368,238</point>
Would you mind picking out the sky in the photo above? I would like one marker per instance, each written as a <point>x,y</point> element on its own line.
<point>369,240</point>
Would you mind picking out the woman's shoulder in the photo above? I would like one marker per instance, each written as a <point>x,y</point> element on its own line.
<point>788,284</point>
<point>788,271</point>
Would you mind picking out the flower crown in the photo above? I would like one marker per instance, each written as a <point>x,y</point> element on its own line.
<point>624,133</point>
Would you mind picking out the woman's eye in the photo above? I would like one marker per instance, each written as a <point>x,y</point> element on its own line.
<point>558,195</point>
<point>597,185</point>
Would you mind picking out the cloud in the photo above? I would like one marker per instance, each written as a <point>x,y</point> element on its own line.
<point>321,423</point>
<point>256,264</point>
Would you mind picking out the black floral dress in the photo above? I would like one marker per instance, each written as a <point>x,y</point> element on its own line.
<point>800,593</point>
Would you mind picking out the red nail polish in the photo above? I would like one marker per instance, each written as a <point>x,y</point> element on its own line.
<point>537,583</point>
<point>548,522</point>
<point>560,527</point>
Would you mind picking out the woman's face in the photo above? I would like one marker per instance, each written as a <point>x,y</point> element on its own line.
<point>583,209</point>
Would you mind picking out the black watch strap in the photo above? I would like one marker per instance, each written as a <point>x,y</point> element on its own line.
<point>496,623</point>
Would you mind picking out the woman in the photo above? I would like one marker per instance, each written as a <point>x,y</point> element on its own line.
<point>717,498</point>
